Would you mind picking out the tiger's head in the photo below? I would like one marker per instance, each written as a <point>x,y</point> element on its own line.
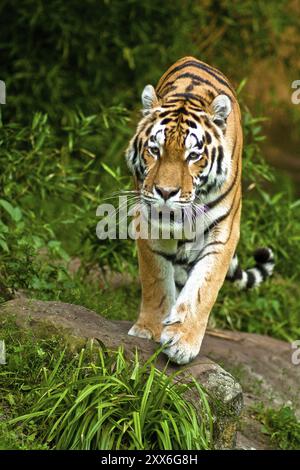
<point>178,152</point>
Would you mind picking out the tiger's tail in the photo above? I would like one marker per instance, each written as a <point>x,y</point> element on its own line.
<point>252,277</point>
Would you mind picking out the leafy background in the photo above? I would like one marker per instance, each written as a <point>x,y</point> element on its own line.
<point>74,73</point>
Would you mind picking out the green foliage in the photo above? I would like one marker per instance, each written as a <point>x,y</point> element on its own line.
<point>72,54</point>
<point>95,400</point>
<point>16,440</point>
<point>41,207</point>
<point>282,426</point>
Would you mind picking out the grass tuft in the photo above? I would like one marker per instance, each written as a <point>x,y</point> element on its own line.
<point>99,400</point>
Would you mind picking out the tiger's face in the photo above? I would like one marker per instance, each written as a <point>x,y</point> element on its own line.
<point>178,153</point>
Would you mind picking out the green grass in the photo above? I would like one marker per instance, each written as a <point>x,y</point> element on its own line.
<point>281,425</point>
<point>95,399</point>
<point>271,309</point>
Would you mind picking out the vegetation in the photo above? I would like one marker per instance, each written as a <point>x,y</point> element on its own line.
<point>95,400</point>
<point>74,73</point>
<point>281,425</point>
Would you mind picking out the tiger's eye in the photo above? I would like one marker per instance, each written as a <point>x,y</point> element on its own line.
<point>154,151</point>
<point>193,156</point>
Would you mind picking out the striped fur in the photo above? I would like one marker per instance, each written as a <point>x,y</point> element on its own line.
<point>186,153</point>
<point>252,277</point>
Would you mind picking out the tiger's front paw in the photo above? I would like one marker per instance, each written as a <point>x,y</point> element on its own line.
<point>145,331</point>
<point>178,314</point>
<point>182,342</point>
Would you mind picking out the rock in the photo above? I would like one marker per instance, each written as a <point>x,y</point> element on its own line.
<point>266,360</point>
<point>79,324</point>
<point>264,367</point>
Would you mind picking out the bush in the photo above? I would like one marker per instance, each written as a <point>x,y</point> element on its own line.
<point>282,426</point>
<point>96,399</point>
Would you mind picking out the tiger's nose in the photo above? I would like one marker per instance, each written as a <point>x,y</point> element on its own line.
<point>166,193</point>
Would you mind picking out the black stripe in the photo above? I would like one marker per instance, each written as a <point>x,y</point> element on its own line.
<point>194,107</point>
<point>176,111</point>
<point>169,87</point>
<point>165,113</point>
<point>134,159</point>
<point>250,280</point>
<point>203,179</point>
<point>199,258</point>
<point>138,166</point>
<point>207,189</point>
<point>220,160</point>
<point>199,142</point>
<point>140,146</point>
<point>213,72</point>
<point>190,96</point>
<point>196,81</point>
<point>166,121</point>
<point>162,301</point>
<point>179,285</point>
<point>135,150</point>
<point>194,116</point>
<point>211,95</point>
<point>191,124</point>
<point>263,271</point>
<point>170,104</point>
<point>174,101</point>
<point>213,156</point>
<point>139,172</point>
<point>208,137</point>
<point>181,242</point>
<point>181,261</point>
<point>237,275</point>
<point>145,124</point>
<point>213,203</point>
<point>148,130</point>
<point>217,221</point>
<point>219,242</point>
<point>262,255</point>
<point>168,256</point>
<point>182,110</point>
<point>189,88</point>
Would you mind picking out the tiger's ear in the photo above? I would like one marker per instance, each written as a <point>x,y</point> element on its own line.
<point>221,107</point>
<point>149,99</point>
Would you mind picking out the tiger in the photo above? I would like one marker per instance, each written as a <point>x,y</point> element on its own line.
<point>186,153</point>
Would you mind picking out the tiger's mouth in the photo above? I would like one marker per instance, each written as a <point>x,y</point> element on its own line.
<point>179,220</point>
<point>167,216</point>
